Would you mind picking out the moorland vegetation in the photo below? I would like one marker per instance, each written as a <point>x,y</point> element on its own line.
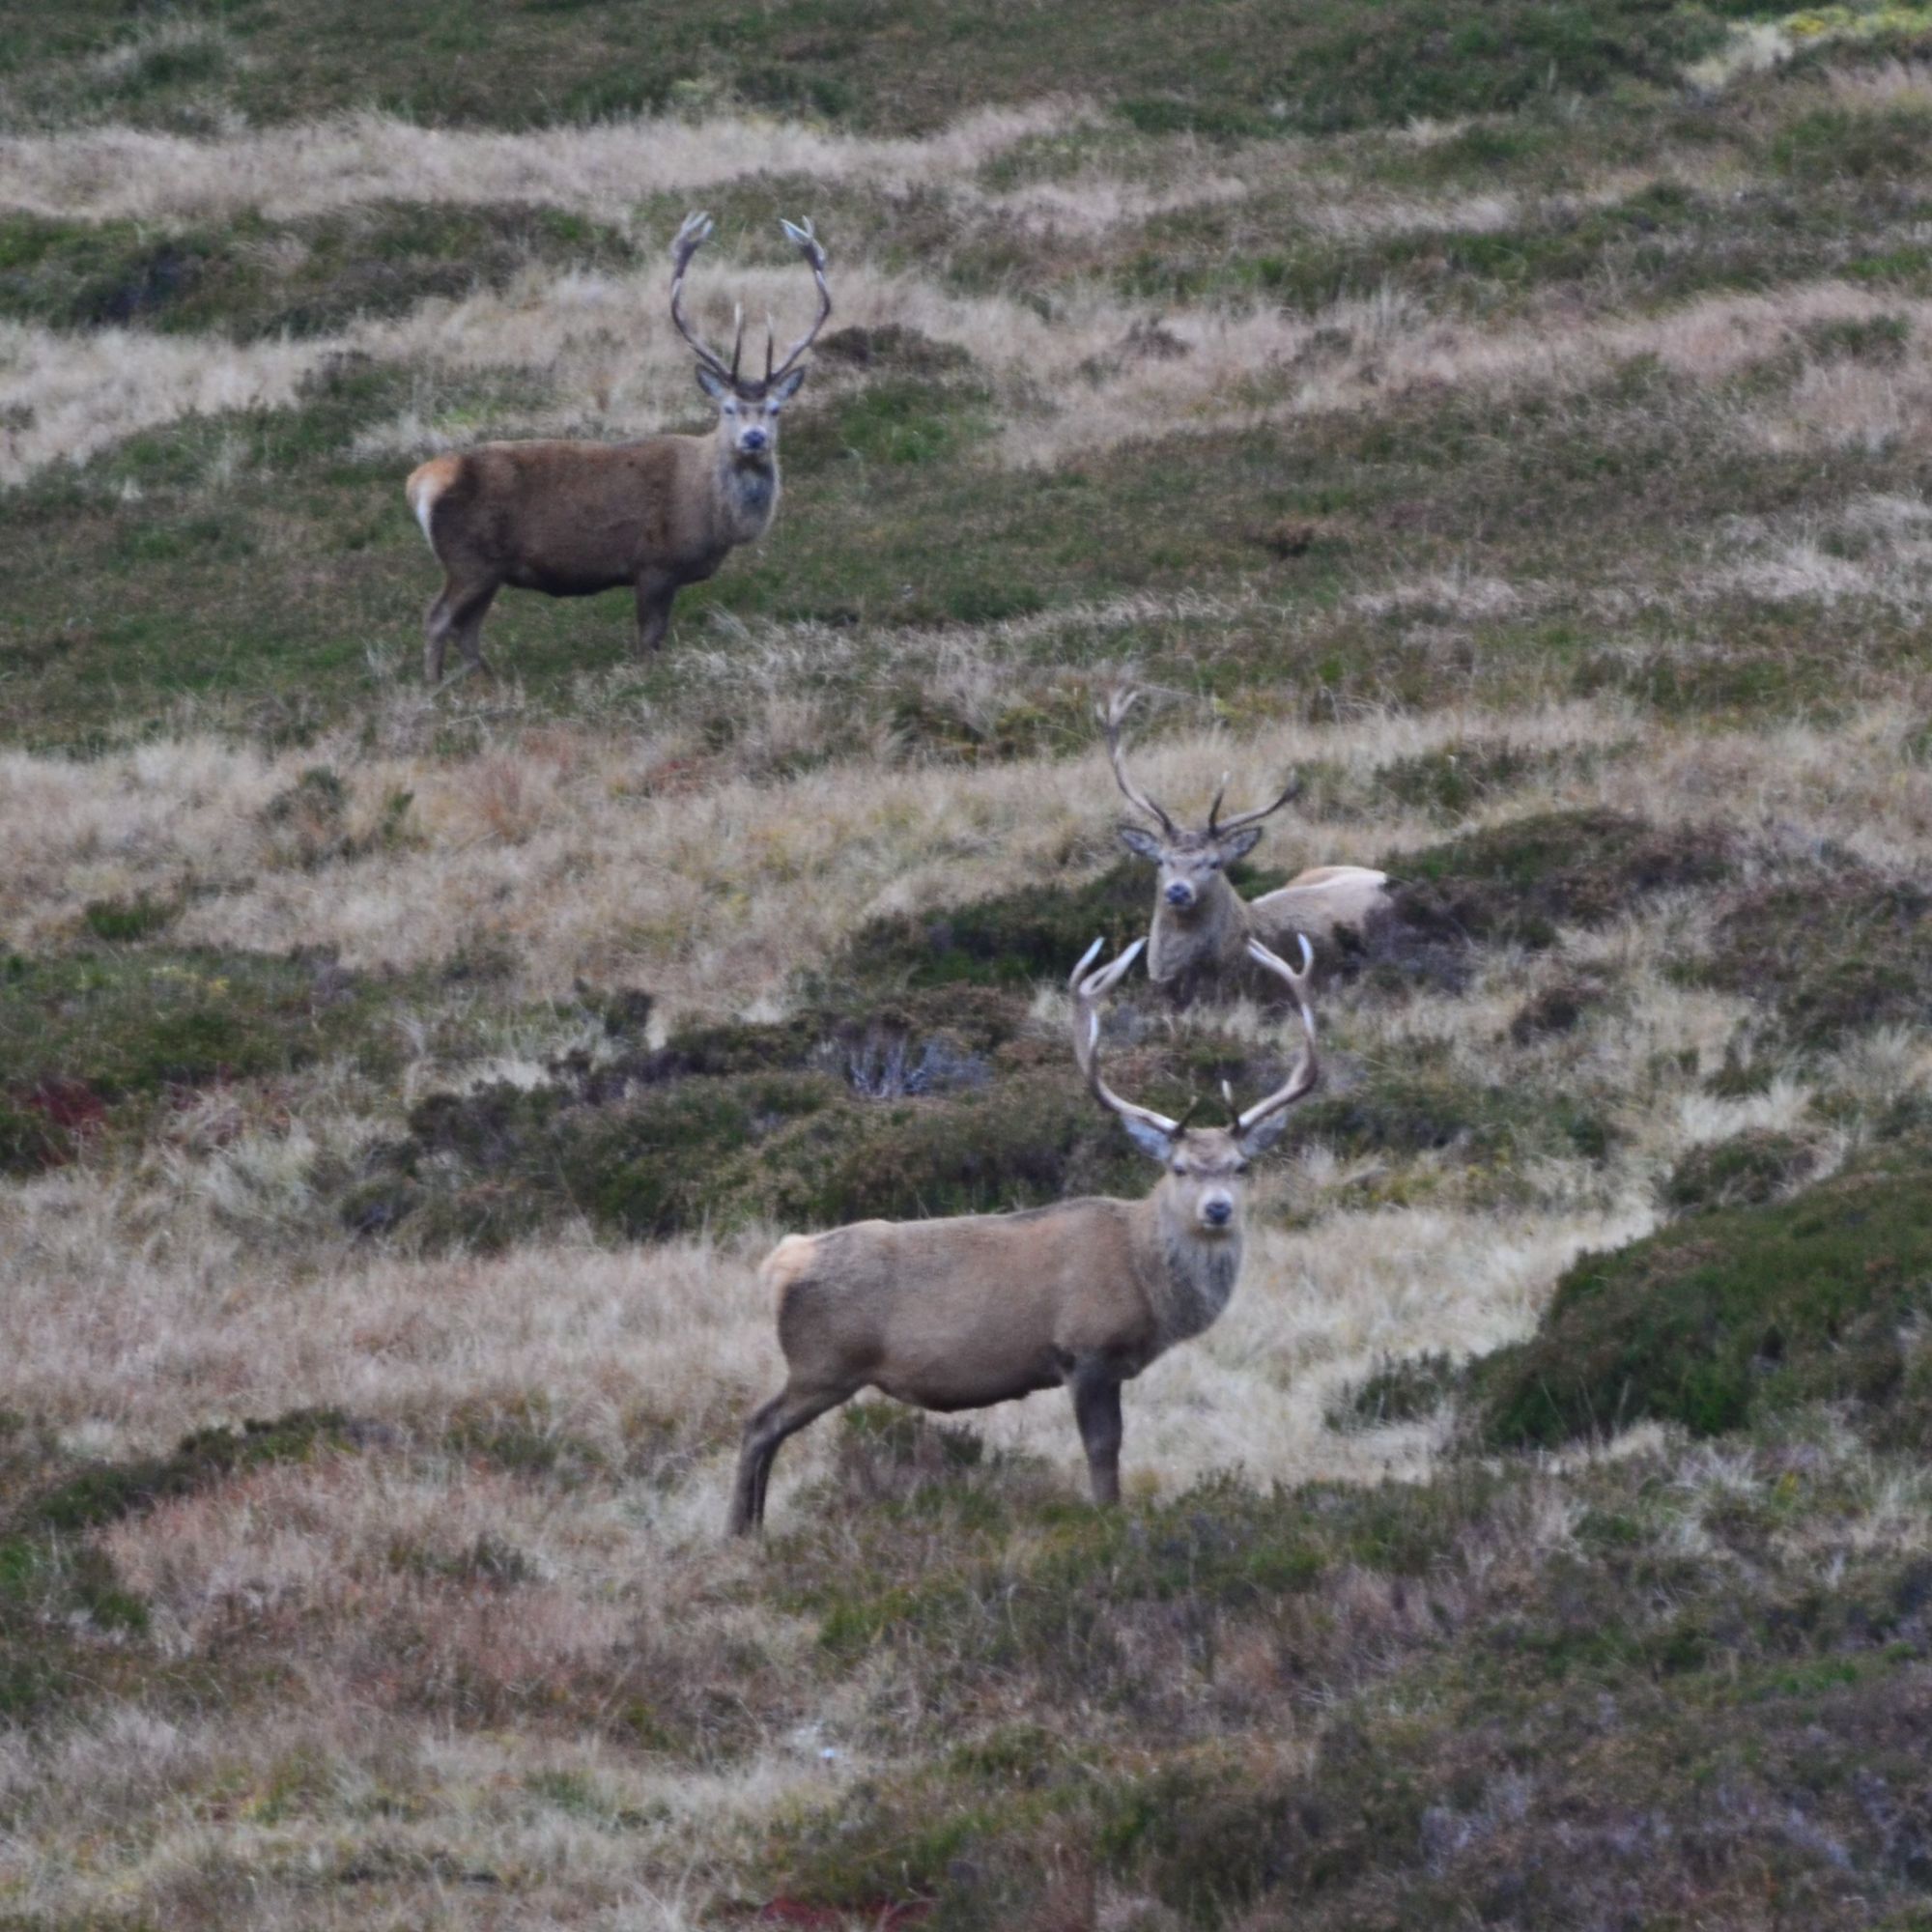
<point>1515,418</point>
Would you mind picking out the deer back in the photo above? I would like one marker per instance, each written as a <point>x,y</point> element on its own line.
<point>972,1308</point>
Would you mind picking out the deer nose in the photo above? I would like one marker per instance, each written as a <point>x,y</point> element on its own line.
<point>1180,894</point>
<point>1218,1211</point>
<point>755,439</point>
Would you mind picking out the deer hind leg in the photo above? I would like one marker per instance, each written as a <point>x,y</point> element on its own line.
<point>785,1414</point>
<point>436,635</point>
<point>465,625</point>
<point>1096,1409</point>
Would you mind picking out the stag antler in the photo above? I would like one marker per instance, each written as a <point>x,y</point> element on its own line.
<point>807,244</point>
<point>1217,825</point>
<point>1113,715</point>
<point>1307,1069</point>
<point>1086,990</point>
<point>691,238</point>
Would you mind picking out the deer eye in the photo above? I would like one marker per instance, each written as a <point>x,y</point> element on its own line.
<point>1213,862</point>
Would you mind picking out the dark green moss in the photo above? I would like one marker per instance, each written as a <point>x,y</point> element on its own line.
<point>1517,882</point>
<point>1744,1171</point>
<point>1401,1389</point>
<point>1726,1316</point>
<point>81,1033</point>
<point>1833,954</point>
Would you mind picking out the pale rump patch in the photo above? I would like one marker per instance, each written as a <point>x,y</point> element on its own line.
<point>427,482</point>
<point>786,1264</point>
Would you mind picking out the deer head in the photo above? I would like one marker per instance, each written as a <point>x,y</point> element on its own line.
<point>1202,1186</point>
<point>747,405</point>
<point>1190,861</point>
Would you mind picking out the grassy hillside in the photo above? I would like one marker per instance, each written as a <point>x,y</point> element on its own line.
<point>1511,418</point>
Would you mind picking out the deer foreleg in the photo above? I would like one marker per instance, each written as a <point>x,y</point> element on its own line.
<point>655,594</point>
<point>1096,1409</point>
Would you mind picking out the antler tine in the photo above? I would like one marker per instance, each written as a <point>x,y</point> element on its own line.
<point>1088,987</point>
<point>691,238</point>
<point>1308,1068</point>
<point>1214,810</point>
<point>771,329</point>
<point>1292,790</point>
<point>807,244</point>
<point>1113,715</point>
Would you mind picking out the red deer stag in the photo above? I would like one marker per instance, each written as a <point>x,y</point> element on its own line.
<point>571,519</point>
<point>984,1308</point>
<point>1203,928</point>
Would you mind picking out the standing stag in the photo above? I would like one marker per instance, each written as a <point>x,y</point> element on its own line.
<point>571,519</point>
<point>1203,928</point>
<point>984,1308</point>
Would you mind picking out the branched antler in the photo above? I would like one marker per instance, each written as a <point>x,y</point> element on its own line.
<point>1113,715</point>
<point>697,230</point>
<point>1217,825</point>
<point>691,238</point>
<point>807,244</point>
<point>1307,1069</point>
<point>1088,988</point>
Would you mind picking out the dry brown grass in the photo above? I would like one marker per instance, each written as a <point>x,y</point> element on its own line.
<point>556,843</point>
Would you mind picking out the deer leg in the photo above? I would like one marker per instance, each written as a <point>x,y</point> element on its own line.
<point>785,1414</point>
<point>1096,1409</point>
<point>467,625</point>
<point>436,634</point>
<point>655,594</point>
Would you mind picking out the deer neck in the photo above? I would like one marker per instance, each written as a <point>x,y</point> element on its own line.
<point>1188,1276</point>
<point>1211,931</point>
<point>745,491</point>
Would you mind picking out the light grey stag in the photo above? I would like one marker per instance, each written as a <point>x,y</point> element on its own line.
<point>571,519</point>
<point>984,1308</point>
<point>1202,926</point>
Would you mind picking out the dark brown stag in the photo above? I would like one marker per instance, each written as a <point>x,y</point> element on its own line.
<point>571,519</point>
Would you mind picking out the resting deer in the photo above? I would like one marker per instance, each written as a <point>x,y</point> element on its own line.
<point>571,519</point>
<point>985,1308</point>
<point>1202,926</point>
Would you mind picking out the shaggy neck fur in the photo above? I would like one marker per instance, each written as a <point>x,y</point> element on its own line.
<point>748,492</point>
<point>1195,1274</point>
<point>1214,928</point>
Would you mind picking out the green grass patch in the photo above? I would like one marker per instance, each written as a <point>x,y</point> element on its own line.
<point>1729,1315</point>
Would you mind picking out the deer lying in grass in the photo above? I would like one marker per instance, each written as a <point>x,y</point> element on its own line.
<point>571,519</point>
<point>984,1308</point>
<point>1202,926</point>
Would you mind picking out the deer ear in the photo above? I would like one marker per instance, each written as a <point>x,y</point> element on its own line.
<point>1238,845</point>
<point>787,387</point>
<point>712,384</point>
<point>1153,1141</point>
<point>1144,843</point>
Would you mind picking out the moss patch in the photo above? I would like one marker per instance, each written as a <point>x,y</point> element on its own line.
<point>1830,955</point>
<point>1744,1171</point>
<point>1516,883</point>
<point>1729,1315</point>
